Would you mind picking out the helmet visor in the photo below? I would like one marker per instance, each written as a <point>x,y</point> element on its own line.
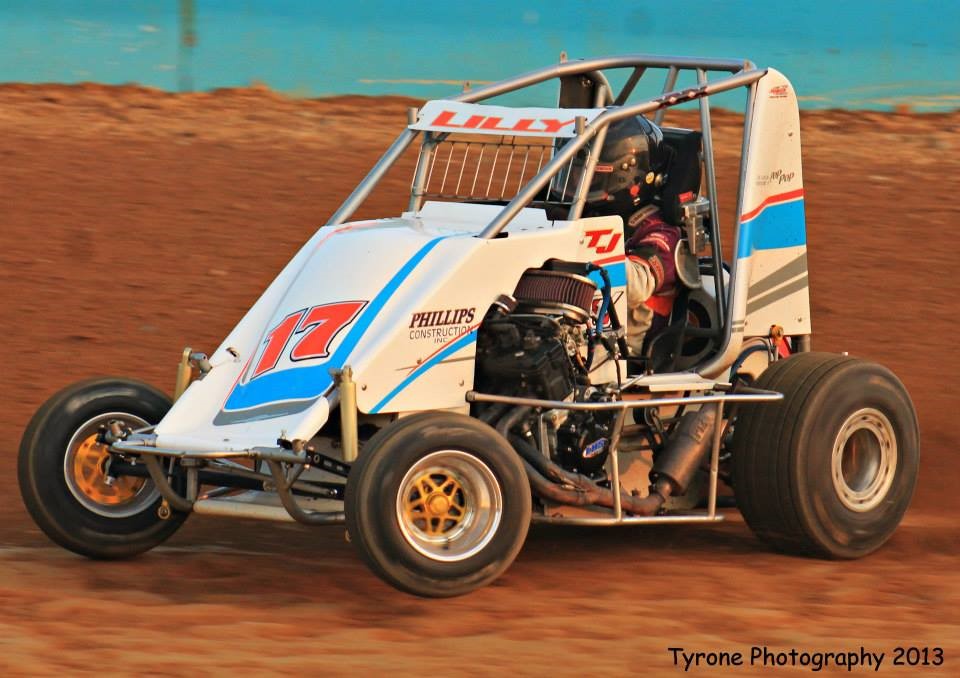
<point>565,183</point>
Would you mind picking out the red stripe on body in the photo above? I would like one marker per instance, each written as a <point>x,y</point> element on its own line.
<point>610,260</point>
<point>773,199</point>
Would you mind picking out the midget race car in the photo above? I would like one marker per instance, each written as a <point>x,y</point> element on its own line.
<point>438,380</point>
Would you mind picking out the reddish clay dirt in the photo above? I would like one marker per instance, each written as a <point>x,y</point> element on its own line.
<point>135,222</point>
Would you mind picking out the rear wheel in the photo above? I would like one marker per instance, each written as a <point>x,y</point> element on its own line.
<point>64,472</point>
<point>831,470</point>
<point>438,504</point>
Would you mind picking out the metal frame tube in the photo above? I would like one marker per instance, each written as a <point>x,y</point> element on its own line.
<point>612,115</point>
<point>348,412</point>
<point>755,396</point>
<point>418,186</point>
<point>290,503</point>
<point>669,84</point>
<point>602,521</point>
<point>715,464</point>
<point>365,187</point>
<point>604,93</point>
<point>736,294</point>
<point>629,86</point>
<point>265,453</point>
<point>164,488</point>
<point>615,464</point>
<point>594,67</point>
<point>184,372</point>
<point>580,199</point>
<point>239,509</point>
<point>228,478</point>
<point>708,161</point>
<point>744,74</point>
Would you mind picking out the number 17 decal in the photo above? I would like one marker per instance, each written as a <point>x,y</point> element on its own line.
<point>318,325</point>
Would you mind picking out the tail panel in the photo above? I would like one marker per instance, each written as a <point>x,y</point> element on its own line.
<point>771,237</point>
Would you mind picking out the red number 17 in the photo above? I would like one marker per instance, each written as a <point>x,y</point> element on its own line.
<point>318,325</point>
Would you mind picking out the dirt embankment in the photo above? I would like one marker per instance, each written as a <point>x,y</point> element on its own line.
<point>135,222</point>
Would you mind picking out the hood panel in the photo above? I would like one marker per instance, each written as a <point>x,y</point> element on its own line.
<point>398,300</point>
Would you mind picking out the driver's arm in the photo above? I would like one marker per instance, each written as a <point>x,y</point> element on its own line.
<point>650,263</point>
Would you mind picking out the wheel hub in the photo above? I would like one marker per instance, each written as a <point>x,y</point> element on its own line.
<point>90,475</point>
<point>436,503</point>
<point>449,505</point>
<point>864,459</point>
<point>85,467</point>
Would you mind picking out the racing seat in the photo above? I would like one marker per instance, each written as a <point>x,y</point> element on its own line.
<point>663,350</point>
<point>684,173</point>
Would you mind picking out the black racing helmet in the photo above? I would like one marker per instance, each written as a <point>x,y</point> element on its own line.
<point>630,170</point>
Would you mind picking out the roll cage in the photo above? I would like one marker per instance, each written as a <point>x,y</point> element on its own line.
<point>584,83</point>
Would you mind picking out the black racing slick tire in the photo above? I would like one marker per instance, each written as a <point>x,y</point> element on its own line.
<point>830,470</point>
<point>438,504</point>
<point>63,477</point>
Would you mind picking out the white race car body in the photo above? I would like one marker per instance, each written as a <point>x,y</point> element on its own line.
<point>400,300</point>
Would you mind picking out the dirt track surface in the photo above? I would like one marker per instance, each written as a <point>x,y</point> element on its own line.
<point>136,222</point>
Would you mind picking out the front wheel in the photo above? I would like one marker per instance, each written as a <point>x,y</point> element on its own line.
<point>64,472</point>
<point>830,470</point>
<point>438,504</point>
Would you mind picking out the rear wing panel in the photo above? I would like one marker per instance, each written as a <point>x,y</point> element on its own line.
<point>772,237</point>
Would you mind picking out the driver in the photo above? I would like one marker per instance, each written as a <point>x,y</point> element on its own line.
<point>632,167</point>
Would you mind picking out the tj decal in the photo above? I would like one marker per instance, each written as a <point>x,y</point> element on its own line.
<point>603,240</point>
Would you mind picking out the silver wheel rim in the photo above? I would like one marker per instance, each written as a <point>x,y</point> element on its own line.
<point>144,497</point>
<point>449,506</point>
<point>864,459</point>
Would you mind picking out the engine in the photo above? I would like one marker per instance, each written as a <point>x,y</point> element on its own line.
<point>540,343</point>
<point>537,344</point>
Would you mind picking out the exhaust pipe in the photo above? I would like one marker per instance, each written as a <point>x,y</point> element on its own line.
<point>686,449</point>
<point>671,474</point>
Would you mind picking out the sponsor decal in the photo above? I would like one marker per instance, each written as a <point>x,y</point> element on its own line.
<point>779,92</point>
<point>441,326</point>
<point>603,240</point>
<point>777,177</point>
<point>594,448</point>
<point>492,123</point>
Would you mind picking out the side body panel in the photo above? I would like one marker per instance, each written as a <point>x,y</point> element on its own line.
<point>771,247</point>
<point>399,300</point>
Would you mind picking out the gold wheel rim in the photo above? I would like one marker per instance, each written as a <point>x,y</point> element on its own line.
<point>89,474</point>
<point>449,505</point>
<point>435,503</point>
<point>85,466</point>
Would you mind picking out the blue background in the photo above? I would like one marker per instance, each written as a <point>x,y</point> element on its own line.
<point>853,54</point>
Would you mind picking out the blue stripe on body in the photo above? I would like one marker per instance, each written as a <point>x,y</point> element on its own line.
<point>304,383</point>
<point>617,273</point>
<point>778,225</point>
<point>460,343</point>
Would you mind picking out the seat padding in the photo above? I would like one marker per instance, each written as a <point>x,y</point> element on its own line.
<point>683,175</point>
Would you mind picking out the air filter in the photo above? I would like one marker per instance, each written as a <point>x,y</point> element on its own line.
<point>556,292</point>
